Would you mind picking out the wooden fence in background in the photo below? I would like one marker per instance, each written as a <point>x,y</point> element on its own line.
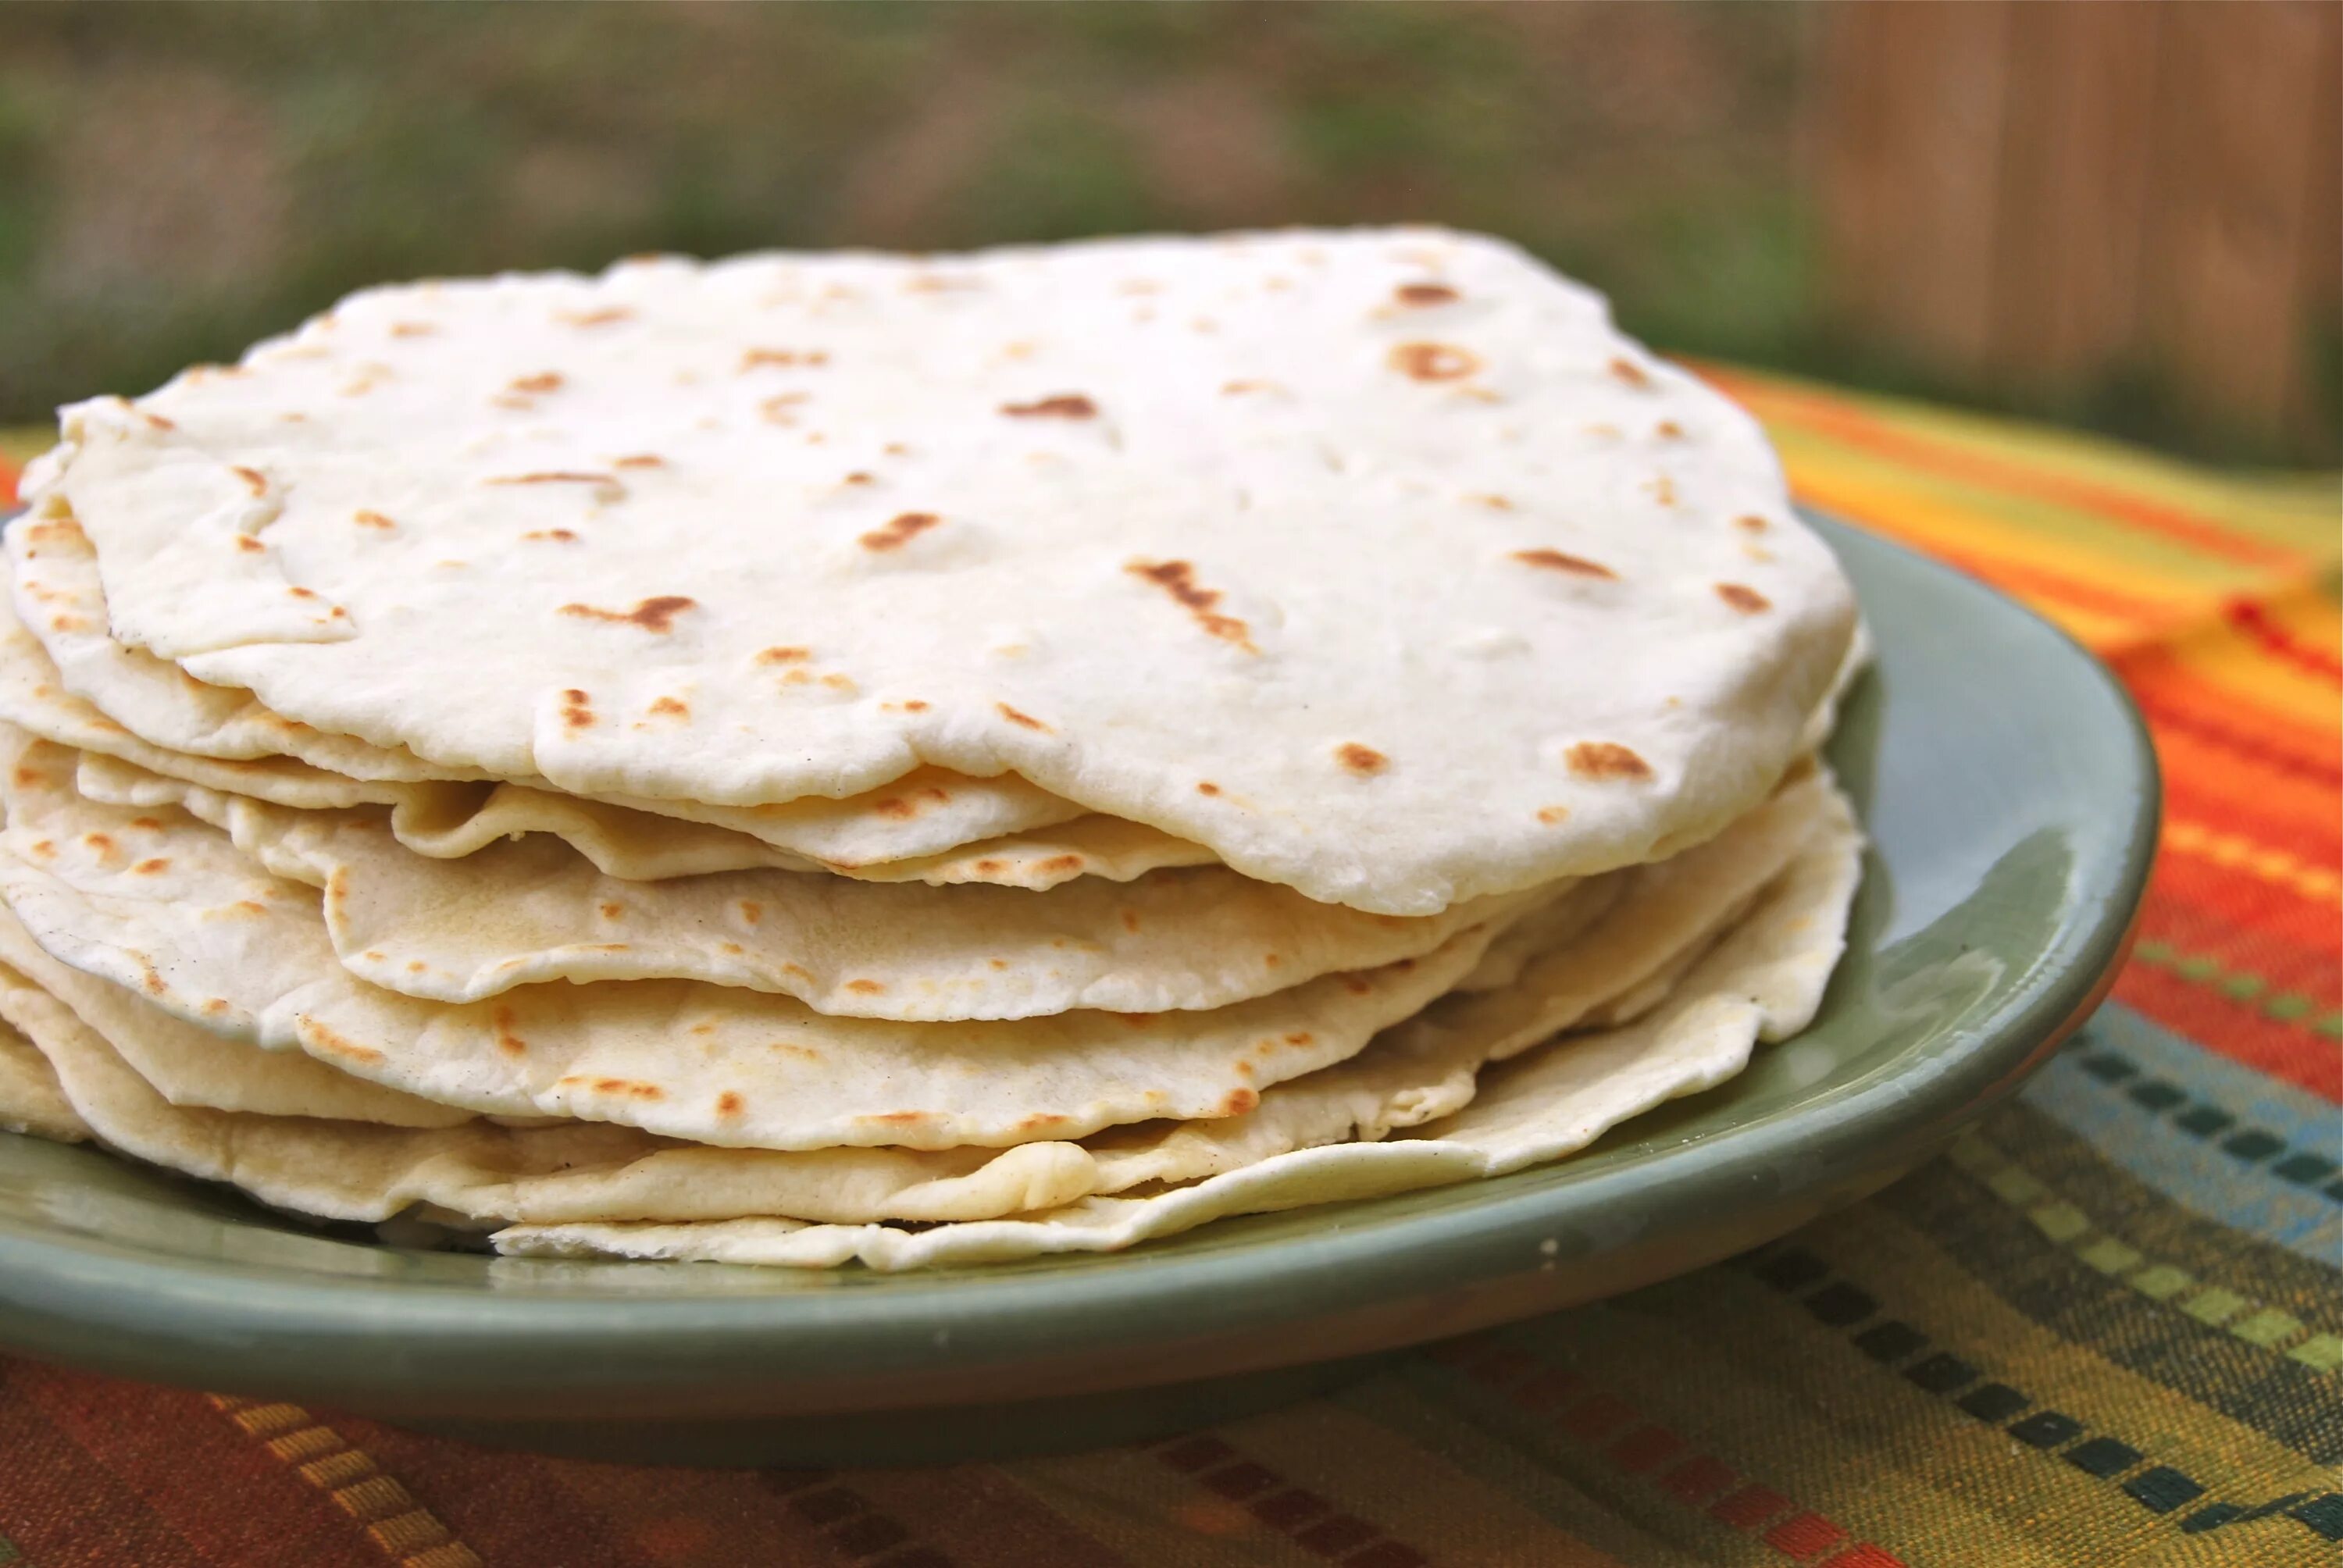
<point>2031,198</point>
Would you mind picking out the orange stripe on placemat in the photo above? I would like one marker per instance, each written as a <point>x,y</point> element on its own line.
<point>62,1502</point>
<point>406,1532</point>
<point>1846,423</point>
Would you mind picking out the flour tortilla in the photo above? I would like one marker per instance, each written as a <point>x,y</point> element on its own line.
<point>1763,981</point>
<point>193,1066</point>
<point>572,1172</point>
<point>929,813</point>
<point>31,1101</point>
<point>174,911</point>
<point>1378,562</point>
<point>531,912</point>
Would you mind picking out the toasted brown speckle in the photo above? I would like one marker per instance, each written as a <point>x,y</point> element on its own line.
<point>674,707</point>
<point>1747,600</point>
<point>254,480</point>
<point>1025,721</point>
<point>656,615</point>
<point>543,381</point>
<point>1062,865</point>
<point>1363,760</point>
<point>755,358</point>
<point>1628,371</point>
<point>1550,815</point>
<point>1421,295</point>
<point>1062,406</point>
<point>1239,1102</point>
<point>865,987</point>
<point>899,531</point>
<point>728,1103</point>
<point>1433,361</point>
<point>1750,523</point>
<point>1555,560</point>
<point>556,535</point>
<point>1177,579</point>
<point>249,545</point>
<point>1605,760</point>
<point>784,655</point>
<point>152,868</point>
<point>751,911</point>
<point>372,520</point>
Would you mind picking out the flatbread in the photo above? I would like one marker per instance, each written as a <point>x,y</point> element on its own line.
<point>1377,562</point>
<point>531,911</point>
<point>928,812</point>
<point>1763,981</point>
<point>31,1102</point>
<point>193,1066</point>
<point>569,1173</point>
<point>247,954</point>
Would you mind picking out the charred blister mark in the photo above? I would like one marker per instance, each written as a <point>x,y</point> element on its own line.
<point>654,615</point>
<point>1605,760</point>
<point>1745,599</point>
<point>899,531</point>
<point>1177,579</point>
<point>1557,561</point>
<point>1433,361</point>
<point>1059,406</point>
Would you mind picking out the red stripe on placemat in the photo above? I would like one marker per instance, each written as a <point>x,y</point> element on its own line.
<point>60,1503</point>
<point>503,1505</point>
<point>2229,1029</point>
<point>231,1501</point>
<point>1598,1417</point>
<point>1968,465</point>
<point>2253,619</point>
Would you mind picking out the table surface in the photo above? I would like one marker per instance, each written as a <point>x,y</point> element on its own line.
<point>2107,1329</point>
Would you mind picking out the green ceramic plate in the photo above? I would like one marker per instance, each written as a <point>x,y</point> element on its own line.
<point>2012,800</point>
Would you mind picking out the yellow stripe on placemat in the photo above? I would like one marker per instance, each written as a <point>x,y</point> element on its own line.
<point>2216,1306</point>
<point>407,1532</point>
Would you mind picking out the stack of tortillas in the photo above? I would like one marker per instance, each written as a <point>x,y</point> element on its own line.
<point>919,759</point>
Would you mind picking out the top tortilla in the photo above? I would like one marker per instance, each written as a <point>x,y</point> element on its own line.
<point>1376,561</point>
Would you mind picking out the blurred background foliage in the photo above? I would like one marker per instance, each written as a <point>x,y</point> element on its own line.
<point>177,180</point>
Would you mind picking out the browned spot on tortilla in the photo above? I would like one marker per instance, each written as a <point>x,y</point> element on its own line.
<point>865,987</point>
<point>1750,523</point>
<point>631,1088</point>
<point>1041,1118</point>
<point>543,381</point>
<point>372,520</point>
<point>1060,406</point>
<point>915,706</point>
<point>1633,374</point>
<point>156,420</point>
<point>1668,431</point>
<point>1433,361</point>
<point>604,482</point>
<point>672,705</point>
<point>602,318</point>
<point>559,536</point>
<point>751,910</point>
<point>1177,579</point>
<point>149,823</point>
<point>1554,560</point>
<point>254,480</point>
<point>1206,787</point>
<point>1131,921</point>
<point>510,1043</point>
<point>1495,503</point>
<point>1605,760</point>
<point>302,592</point>
<point>640,460</point>
<point>1026,720</point>
<point>754,358</point>
<point>318,1036</point>
<point>1357,984</point>
<point>412,329</point>
<point>1363,760</point>
<point>1299,1037</point>
<point>152,868</point>
<point>899,531</point>
<point>45,847</point>
<point>777,408</point>
<point>99,843</point>
<point>784,655</point>
<point>249,908</point>
<point>1664,490</point>
<point>897,1118</point>
<point>27,776</point>
<point>657,614</point>
<point>215,1006</point>
<point>1424,294</point>
<point>1240,1101</point>
<point>1747,600</point>
<point>732,948</point>
<point>1057,863</point>
<point>612,909</point>
<point>894,807</point>
<point>247,543</point>
<point>728,1103</point>
<point>1550,815</point>
<point>858,477</point>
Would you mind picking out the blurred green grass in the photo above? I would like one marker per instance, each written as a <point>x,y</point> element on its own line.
<point>178,180</point>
